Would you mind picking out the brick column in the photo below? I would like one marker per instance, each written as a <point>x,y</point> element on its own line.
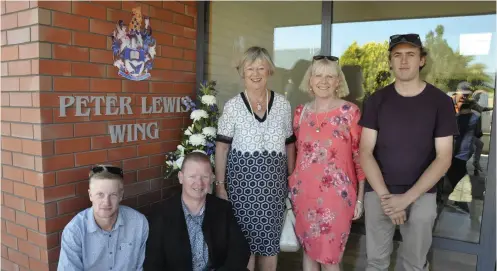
<point>52,49</point>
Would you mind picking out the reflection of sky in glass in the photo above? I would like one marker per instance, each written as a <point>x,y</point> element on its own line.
<point>344,34</point>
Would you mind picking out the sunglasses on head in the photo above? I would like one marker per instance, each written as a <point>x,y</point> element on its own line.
<point>330,58</point>
<point>110,169</point>
<point>413,38</point>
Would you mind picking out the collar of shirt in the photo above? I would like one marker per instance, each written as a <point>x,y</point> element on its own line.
<point>188,213</point>
<point>92,224</point>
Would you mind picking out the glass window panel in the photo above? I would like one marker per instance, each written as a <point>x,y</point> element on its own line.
<point>462,46</point>
<point>290,31</point>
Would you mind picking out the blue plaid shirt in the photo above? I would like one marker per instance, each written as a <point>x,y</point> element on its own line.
<point>85,246</point>
<point>200,253</point>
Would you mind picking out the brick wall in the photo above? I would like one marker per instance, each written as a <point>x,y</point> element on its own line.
<point>51,49</point>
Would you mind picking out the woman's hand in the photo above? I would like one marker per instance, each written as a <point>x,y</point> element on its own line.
<point>359,209</point>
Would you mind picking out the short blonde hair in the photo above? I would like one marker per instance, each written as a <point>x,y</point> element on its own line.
<point>253,54</point>
<point>327,65</point>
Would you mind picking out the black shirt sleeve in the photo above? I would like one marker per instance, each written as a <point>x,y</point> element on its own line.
<point>369,118</point>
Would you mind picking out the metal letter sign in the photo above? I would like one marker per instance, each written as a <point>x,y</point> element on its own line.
<point>134,48</point>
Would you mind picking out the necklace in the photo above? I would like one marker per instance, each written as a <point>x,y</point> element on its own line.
<point>253,115</point>
<point>319,124</point>
<point>259,103</point>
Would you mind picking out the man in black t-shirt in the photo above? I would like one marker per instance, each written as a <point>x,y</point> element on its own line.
<point>406,147</point>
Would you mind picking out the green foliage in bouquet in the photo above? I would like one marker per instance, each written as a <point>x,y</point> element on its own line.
<point>201,135</point>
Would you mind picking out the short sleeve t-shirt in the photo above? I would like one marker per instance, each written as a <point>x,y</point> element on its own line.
<point>407,128</point>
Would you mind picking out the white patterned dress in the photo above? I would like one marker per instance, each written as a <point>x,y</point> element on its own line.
<point>256,171</point>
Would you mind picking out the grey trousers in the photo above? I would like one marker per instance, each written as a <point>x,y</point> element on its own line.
<point>416,234</point>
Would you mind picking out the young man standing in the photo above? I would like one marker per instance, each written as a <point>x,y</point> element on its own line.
<point>406,147</point>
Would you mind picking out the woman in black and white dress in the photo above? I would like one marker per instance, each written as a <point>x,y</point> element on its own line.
<point>254,153</point>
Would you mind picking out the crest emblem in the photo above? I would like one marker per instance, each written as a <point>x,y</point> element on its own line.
<point>133,47</point>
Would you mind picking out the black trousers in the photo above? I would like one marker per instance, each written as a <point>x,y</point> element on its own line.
<point>456,172</point>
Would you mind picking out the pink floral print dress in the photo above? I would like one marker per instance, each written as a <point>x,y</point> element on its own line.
<point>324,183</point>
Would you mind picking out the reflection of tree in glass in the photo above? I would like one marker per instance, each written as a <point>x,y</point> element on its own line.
<point>445,67</point>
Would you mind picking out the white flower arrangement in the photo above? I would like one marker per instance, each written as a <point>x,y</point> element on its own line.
<point>200,136</point>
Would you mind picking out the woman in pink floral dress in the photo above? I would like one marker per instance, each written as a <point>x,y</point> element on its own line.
<point>327,185</point>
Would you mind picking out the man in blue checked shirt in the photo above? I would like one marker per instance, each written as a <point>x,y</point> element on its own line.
<point>106,236</point>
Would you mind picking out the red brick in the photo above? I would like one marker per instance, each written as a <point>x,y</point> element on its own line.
<point>191,11</point>
<point>149,173</point>
<point>90,129</point>
<point>56,5</point>
<point>54,224</point>
<point>13,6</point>
<point>41,210</point>
<point>6,264</point>
<point>105,85</point>
<point>153,3</point>
<point>13,202</point>
<point>161,14</point>
<point>89,10</point>
<point>101,142</point>
<point>173,29</point>
<point>43,240</point>
<point>73,205</point>
<point>8,240</point>
<point>35,83</point>
<point>54,67</point>
<point>134,86</point>
<point>72,175</point>
<point>82,188</point>
<point>90,158</point>
<point>65,52</point>
<point>18,258</point>
<point>54,35</point>
<point>116,15</point>
<point>37,265</point>
<point>8,213</point>
<point>70,116</point>
<point>58,162</point>
<point>23,161</point>
<point>12,144</point>
<point>5,99</point>
<point>31,50</point>
<point>39,179</point>
<point>184,43</point>
<point>163,63</point>
<point>21,67</point>
<point>184,20</point>
<point>12,173</point>
<point>184,65</point>
<point>190,33</point>
<point>89,40</point>
<point>21,130</point>
<point>6,157</point>
<point>56,193</point>
<point>68,21</point>
<point>129,5</point>
<point>135,163</point>
<point>109,4</point>
<point>174,6</point>
<point>29,249</point>
<point>136,189</point>
<point>122,153</point>
<point>10,52</point>
<point>25,191</point>
<point>88,70</point>
<point>71,84</point>
<point>101,56</point>
<point>165,39</point>
<point>147,149</point>
<point>26,220</point>
<point>56,131</point>
<point>51,255</point>
<point>102,27</point>
<point>6,130</point>
<point>161,87</point>
<point>10,84</point>
<point>190,55</point>
<point>72,145</point>
<point>16,230</point>
<point>149,198</point>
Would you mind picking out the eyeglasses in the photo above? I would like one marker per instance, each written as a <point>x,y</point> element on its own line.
<point>411,38</point>
<point>110,169</point>
<point>330,58</point>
